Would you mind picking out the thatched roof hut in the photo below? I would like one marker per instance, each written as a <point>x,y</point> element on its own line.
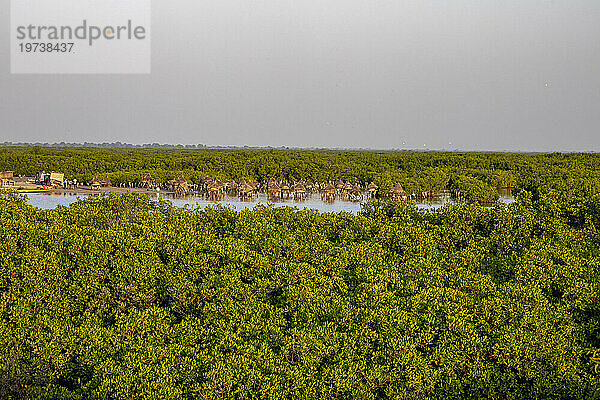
<point>273,189</point>
<point>106,182</point>
<point>204,182</point>
<point>215,190</point>
<point>397,191</point>
<point>299,188</point>
<point>245,189</point>
<point>180,186</point>
<point>329,189</point>
<point>148,182</point>
<point>95,183</point>
<point>329,192</point>
<point>371,187</point>
<point>229,184</point>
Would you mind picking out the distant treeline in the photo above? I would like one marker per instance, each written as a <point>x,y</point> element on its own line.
<point>475,175</point>
<point>111,145</point>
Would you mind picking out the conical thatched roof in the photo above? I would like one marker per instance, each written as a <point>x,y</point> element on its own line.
<point>180,185</point>
<point>397,190</point>
<point>106,182</point>
<point>329,188</point>
<point>372,187</point>
<point>299,188</point>
<point>273,188</point>
<point>148,178</point>
<point>148,181</point>
<point>244,187</point>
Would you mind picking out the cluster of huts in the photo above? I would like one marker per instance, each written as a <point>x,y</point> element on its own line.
<point>278,189</point>
<point>275,189</point>
<point>179,186</point>
<point>245,189</point>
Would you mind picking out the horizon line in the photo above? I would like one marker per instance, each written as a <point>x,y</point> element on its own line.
<point>169,146</point>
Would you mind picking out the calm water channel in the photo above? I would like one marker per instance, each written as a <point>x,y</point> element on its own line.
<point>50,201</point>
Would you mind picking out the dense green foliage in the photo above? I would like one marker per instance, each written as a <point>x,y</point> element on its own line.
<point>472,189</point>
<point>474,174</point>
<point>123,297</point>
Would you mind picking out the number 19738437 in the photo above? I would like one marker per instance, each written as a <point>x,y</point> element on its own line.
<point>46,47</point>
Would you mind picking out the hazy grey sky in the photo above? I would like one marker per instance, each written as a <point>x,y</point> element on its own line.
<point>334,73</point>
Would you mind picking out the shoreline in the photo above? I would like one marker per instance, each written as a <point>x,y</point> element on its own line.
<point>23,187</point>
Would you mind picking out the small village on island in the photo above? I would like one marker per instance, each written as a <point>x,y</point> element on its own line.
<point>215,190</point>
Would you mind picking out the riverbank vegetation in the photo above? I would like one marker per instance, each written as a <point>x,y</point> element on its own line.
<point>125,297</point>
<point>476,176</point>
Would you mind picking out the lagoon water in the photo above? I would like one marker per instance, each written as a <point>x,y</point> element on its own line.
<point>49,201</point>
